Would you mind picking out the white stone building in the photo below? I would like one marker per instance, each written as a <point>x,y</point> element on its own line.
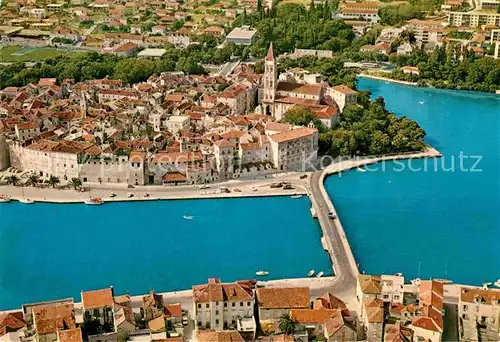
<point>221,306</point>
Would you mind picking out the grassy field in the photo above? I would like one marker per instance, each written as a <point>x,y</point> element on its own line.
<point>20,54</point>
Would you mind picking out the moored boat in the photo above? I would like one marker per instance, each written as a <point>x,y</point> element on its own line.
<point>311,273</point>
<point>296,196</point>
<point>444,281</point>
<point>497,283</point>
<point>188,217</point>
<point>94,201</point>
<point>261,273</point>
<point>26,201</point>
<point>319,275</point>
<point>360,169</point>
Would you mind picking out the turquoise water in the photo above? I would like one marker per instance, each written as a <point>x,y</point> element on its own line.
<point>50,251</point>
<point>446,222</point>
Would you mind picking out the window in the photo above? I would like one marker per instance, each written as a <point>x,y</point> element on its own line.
<point>234,304</point>
<point>248,303</point>
<point>216,303</point>
<point>465,307</point>
<point>396,297</point>
<point>233,322</point>
<point>199,324</point>
<point>207,306</point>
<point>199,306</point>
<point>386,296</point>
<point>241,303</point>
<point>216,312</point>
<point>217,321</point>
<point>225,305</point>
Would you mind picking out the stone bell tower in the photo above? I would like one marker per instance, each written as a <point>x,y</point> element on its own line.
<point>270,82</point>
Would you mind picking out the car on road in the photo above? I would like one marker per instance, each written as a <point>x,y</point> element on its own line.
<point>303,176</point>
<point>276,185</point>
<point>204,186</point>
<point>287,187</point>
<point>331,215</point>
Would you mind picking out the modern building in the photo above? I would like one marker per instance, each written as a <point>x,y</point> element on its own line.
<point>473,19</point>
<point>152,53</point>
<point>243,35</point>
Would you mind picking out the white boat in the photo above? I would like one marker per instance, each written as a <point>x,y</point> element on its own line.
<point>421,102</point>
<point>497,283</point>
<point>4,199</point>
<point>261,273</point>
<point>296,196</point>
<point>26,201</point>
<point>360,169</point>
<point>188,217</point>
<point>94,201</point>
<point>311,273</point>
<point>319,275</point>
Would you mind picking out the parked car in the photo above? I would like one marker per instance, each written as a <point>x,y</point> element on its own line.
<point>287,187</point>
<point>276,185</point>
<point>303,176</point>
<point>331,216</point>
<point>204,186</point>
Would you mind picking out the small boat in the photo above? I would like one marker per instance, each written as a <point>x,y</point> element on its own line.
<point>497,283</point>
<point>26,201</point>
<point>319,275</point>
<point>188,217</point>
<point>4,198</point>
<point>444,281</point>
<point>311,273</point>
<point>261,273</point>
<point>360,169</point>
<point>296,196</point>
<point>94,201</point>
<point>421,102</point>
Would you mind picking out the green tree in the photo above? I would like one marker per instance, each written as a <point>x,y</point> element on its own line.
<point>302,117</point>
<point>286,324</point>
<point>13,180</point>
<point>75,183</point>
<point>33,180</point>
<point>53,181</point>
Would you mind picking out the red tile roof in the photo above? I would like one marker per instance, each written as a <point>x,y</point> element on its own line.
<point>283,298</point>
<point>216,291</point>
<point>97,299</point>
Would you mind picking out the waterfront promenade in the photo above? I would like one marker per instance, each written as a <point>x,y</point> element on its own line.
<point>342,284</point>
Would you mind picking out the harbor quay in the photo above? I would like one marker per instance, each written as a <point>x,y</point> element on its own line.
<point>358,305</point>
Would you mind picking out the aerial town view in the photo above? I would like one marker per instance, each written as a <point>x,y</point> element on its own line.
<point>249,170</point>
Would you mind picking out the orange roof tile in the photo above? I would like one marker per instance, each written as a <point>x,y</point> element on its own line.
<point>283,298</point>
<point>97,299</point>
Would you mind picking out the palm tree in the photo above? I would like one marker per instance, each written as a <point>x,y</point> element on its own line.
<point>53,181</point>
<point>287,325</point>
<point>33,180</point>
<point>75,183</point>
<point>13,180</point>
